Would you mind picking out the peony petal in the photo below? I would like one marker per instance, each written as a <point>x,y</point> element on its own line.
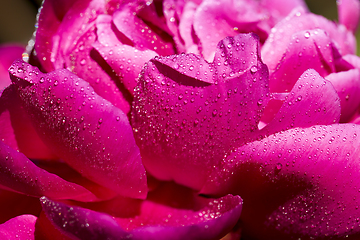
<point>188,113</point>
<point>347,85</point>
<point>126,62</point>
<point>307,49</point>
<point>140,34</point>
<point>184,216</point>
<point>349,13</point>
<point>312,101</point>
<point>306,181</point>
<point>281,8</point>
<point>17,131</point>
<point>21,227</point>
<point>281,35</point>
<point>353,60</point>
<point>186,28</point>
<point>226,18</point>
<point>51,14</point>
<point>19,174</point>
<point>8,54</point>
<point>85,130</point>
<point>87,63</point>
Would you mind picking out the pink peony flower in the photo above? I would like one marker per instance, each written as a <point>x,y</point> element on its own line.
<point>183,120</point>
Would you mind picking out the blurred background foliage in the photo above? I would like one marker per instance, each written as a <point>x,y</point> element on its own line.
<point>17,18</point>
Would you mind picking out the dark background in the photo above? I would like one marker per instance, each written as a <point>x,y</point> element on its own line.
<point>17,17</point>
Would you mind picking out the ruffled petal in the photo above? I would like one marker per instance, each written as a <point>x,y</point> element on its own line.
<point>83,129</point>
<point>281,8</point>
<point>187,113</point>
<point>306,49</point>
<point>306,181</point>
<point>312,101</point>
<point>140,34</point>
<point>53,23</point>
<point>216,20</point>
<point>171,212</point>
<point>126,61</point>
<point>281,35</point>
<point>17,130</point>
<point>21,227</point>
<point>19,174</point>
<point>88,64</point>
<point>349,13</point>
<point>347,85</point>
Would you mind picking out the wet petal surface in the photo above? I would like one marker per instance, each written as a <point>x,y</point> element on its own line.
<point>83,129</point>
<point>307,183</point>
<point>187,113</point>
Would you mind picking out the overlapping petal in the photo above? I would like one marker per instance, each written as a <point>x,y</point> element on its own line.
<point>306,181</point>
<point>306,49</point>
<point>187,113</point>
<point>349,13</point>
<point>19,174</point>
<point>347,85</point>
<point>17,131</point>
<point>312,101</point>
<point>170,212</point>
<point>85,130</point>
<point>21,227</point>
<point>216,20</point>
<point>281,35</point>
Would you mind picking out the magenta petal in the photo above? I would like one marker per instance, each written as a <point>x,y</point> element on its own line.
<point>51,14</point>
<point>85,130</point>
<point>214,21</point>
<point>186,28</point>
<point>188,113</point>
<point>19,174</point>
<point>281,8</point>
<point>312,101</point>
<point>307,49</point>
<point>306,181</point>
<point>140,34</point>
<point>126,62</point>
<point>87,63</point>
<point>21,227</point>
<point>347,85</point>
<point>349,13</point>
<point>275,46</point>
<point>17,130</point>
<point>198,218</point>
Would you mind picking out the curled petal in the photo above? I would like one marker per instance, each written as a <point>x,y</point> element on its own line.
<point>185,217</point>
<point>307,49</point>
<point>19,174</point>
<point>17,130</point>
<point>126,61</point>
<point>226,18</point>
<point>138,33</point>
<point>347,85</point>
<point>21,227</point>
<point>306,181</point>
<point>85,130</point>
<point>281,8</point>
<point>349,13</point>
<point>281,35</point>
<point>187,113</point>
<point>312,101</point>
